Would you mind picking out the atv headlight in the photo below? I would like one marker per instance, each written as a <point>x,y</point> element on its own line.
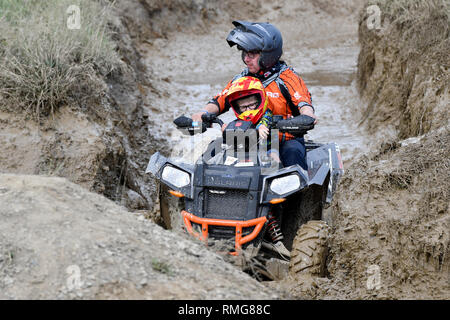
<point>285,184</point>
<point>176,177</point>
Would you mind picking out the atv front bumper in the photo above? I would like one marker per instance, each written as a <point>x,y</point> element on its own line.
<point>257,223</point>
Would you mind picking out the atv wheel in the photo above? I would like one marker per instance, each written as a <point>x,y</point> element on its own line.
<point>170,208</point>
<point>309,249</point>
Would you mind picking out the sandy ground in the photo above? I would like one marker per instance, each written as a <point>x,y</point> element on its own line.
<point>69,243</point>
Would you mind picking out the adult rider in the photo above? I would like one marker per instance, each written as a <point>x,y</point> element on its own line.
<point>261,47</point>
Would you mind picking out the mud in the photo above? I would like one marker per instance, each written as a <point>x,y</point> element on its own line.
<point>391,224</point>
<point>382,246</point>
<point>69,243</point>
<point>403,68</point>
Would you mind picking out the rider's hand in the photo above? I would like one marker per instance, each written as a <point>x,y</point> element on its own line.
<point>306,110</point>
<point>275,157</point>
<point>224,126</point>
<point>198,116</point>
<point>263,131</point>
<point>209,108</point>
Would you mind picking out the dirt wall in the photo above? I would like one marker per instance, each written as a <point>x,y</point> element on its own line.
<point>391,216</point>
<point>403,66</point>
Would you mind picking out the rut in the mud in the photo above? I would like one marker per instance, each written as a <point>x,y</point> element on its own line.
<point>192,77</point>
<point>329,65</point>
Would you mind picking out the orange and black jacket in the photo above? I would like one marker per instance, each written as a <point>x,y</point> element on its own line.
<point>285,89</point>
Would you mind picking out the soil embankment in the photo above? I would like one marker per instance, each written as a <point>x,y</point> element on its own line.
<point>59,241</point>
<point>391,217</point>
<point>391,224</point>
<point>403,67</point>
<point>92,135</point>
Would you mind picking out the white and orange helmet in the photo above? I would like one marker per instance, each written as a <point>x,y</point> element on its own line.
<point>245,87</point>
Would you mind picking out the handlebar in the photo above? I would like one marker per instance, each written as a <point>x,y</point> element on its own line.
<point>297,126</point>
<point>211,118</point>
<point>208,119</point>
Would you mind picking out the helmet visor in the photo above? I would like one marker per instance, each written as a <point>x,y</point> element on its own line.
<point>245,40</point>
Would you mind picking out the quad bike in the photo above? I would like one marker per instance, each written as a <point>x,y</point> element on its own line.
<point>228,194</point>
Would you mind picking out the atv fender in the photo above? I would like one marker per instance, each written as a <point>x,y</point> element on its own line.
<point>324,162</point>
<point>321,175</point>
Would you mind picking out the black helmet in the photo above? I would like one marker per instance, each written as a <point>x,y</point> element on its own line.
<point>256,36</point>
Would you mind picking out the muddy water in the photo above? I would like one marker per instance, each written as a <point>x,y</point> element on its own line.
<point>336,105</point>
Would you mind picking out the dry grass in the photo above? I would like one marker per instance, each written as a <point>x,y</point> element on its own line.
<point>44,64</point>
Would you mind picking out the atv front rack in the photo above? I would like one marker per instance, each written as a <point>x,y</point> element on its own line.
<point>257,223</point>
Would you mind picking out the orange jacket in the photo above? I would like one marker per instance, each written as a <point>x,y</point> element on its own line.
<point>299,94</point>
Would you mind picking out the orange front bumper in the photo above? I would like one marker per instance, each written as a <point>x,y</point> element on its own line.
<point>258,223</point>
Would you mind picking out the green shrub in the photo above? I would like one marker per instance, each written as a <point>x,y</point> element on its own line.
<point>43,63</point>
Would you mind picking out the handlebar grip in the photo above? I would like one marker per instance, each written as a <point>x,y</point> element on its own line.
<point>297,126</point>
<point>183,122</point>
<point>211,118</point>
<point>208,119</point>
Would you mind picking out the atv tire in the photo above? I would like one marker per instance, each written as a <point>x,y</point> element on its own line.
<point>309,249</point>
<point>301,208</point>
<point>170,208</point>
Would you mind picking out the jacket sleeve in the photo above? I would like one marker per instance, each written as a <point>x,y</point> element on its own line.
<point>219,99</point>
<point>266,119</point>
<point>300,95</point>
